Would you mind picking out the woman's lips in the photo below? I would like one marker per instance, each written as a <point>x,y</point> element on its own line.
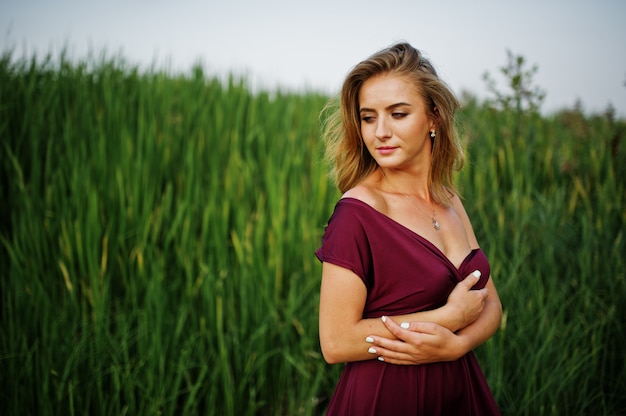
<point>385,150</point>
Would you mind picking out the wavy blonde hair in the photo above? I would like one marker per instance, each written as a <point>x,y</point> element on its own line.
<point>349,158</point>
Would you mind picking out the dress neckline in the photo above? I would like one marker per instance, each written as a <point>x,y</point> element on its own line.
<point>432,246</point>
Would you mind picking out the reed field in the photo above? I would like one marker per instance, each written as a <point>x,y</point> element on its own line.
<point>157,238</point>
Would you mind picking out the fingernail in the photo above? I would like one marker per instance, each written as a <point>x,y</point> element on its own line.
<point>384,318</point>
<point>476,273</point>
<point>381,359</point>
<point>405,325</point>
<point>369,339</point>
<point>372,350</point>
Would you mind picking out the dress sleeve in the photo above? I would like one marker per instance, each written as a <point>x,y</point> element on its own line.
<point>345,241</point>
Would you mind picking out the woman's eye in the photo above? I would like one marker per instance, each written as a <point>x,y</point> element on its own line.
<point>367,119</point>
<point>398,115</point>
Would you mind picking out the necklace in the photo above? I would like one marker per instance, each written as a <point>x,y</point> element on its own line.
<point>433,218</point>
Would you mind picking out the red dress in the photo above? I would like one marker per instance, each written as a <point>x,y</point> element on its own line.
<point>403,273</point>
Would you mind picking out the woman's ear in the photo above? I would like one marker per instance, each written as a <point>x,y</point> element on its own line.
<point>435,121</point>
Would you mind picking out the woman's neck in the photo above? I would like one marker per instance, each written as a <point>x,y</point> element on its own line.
<point>405,182</point>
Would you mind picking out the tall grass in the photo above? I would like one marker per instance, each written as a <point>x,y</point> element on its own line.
<point>549,207</point>
<point>157,235</point>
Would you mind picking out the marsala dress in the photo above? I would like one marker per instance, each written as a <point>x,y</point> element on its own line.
<point>403,273</point>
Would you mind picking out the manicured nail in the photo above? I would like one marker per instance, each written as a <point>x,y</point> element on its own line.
<point>381,359</point>
<point>476,274</point>
<point>384,318</point>
<point>369,339</point>
<point>405,325</point>
<point>372,350</point>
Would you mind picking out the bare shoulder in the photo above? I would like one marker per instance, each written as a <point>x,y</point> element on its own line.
<point>457,206</point>
<point>369,193</point>
<point>459,209</point>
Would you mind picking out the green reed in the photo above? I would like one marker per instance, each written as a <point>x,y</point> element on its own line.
<point>158,230</point>
<point>549,206</point>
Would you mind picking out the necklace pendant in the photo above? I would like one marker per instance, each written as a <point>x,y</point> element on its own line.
<point>436,224</point>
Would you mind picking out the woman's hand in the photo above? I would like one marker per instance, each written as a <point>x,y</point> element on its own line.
<point>417,343</point>
<point>464,304</point>
<point>343,330</point>
<point>420,342</point>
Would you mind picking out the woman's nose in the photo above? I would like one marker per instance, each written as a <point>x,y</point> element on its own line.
<point>382,130</point>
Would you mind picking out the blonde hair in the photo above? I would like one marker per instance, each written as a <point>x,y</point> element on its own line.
<point>351,161</point>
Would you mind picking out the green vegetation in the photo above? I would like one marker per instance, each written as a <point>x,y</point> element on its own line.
<point>157,235</point>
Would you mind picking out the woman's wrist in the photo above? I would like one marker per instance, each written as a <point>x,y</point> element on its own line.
<point>451,316</point>
<point>462,346</point>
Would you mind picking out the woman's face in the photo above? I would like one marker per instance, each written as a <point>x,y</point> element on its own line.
<point>394,124</point>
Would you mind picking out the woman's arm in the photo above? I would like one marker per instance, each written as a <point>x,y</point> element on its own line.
<point>427,342</point>
<point>343,331</point>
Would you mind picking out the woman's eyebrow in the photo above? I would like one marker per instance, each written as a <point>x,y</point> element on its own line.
<point>389,107</point>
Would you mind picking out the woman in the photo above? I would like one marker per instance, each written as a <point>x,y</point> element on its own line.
<point>406,291</point>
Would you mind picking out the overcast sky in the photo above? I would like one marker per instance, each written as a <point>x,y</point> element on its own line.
<point>578,46</point>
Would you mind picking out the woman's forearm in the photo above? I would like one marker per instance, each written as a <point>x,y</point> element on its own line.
<point>479,331</point>
<point>344,333</point>
<point>418,342</point>
<point>350,343</point>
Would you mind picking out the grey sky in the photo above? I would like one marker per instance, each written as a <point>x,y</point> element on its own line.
<point>577,45</point>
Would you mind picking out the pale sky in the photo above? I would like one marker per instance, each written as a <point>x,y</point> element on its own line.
<point>579,46</point>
